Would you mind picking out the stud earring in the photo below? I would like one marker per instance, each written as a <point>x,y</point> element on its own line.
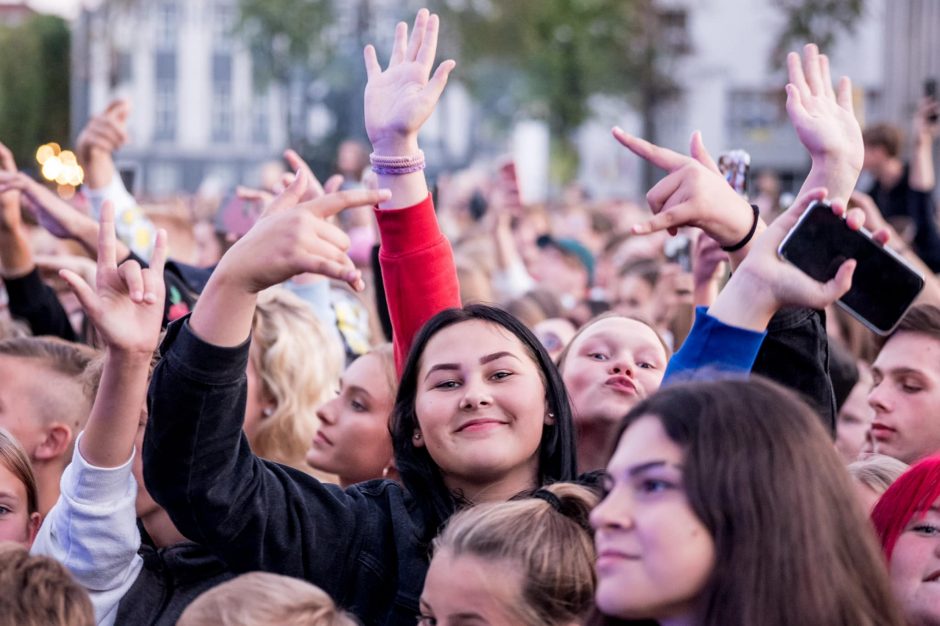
<point>417,436</point>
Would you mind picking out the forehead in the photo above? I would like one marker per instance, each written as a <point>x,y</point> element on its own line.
<point>468,584</point>
<point>470,340</point>
<point>643,441</point>
<point>912,350</point>
<point>11,484</point>
<point>620,331</point>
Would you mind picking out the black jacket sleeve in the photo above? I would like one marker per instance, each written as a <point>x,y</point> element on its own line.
<point>36,303</point>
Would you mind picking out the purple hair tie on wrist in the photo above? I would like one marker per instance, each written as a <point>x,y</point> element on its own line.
<point>397,165</point>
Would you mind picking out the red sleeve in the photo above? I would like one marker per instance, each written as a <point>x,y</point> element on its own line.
<point>418,271</point>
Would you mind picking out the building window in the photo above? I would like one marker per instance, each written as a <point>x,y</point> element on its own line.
<point>166,24</point>
<point>260,119</point>
<point>165,108</point>
<point>222,109</point>
<point>750,110</point>
<point>222,23</point>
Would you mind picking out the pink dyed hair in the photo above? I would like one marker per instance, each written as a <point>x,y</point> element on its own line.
<point>910,495</point>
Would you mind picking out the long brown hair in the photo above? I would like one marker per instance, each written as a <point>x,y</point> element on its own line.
<point>792,544</point>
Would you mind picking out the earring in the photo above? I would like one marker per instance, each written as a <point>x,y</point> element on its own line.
<point>267,412</point>
<point>417,435</point>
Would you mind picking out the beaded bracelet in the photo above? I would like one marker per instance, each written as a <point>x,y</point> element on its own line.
<point>397,165</point>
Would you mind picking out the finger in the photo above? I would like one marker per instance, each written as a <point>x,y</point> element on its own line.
<point>329,268</point>
<point>106,238</point>
<point>428,50</point>
<point>662,191</point>
<point>669,221</point>
<point>314,188</point>
<point>160,252</point>
<point>100,140</point>
<point>400,45</point>
<point>417,35</point>
<point>373,69</point>
<point>855,219</point>
<point>247,193</point>
<point>333,235</point>
<point>130,273</point>
<point>333,183</point>
<point>795,108</point>
<point>841,282</point>
<point>811,69</point>
<point>6,159</point>
<point>699,152</point>
<point>791,216</point>
<point>660,157</point>
<point>289,197</point>
<point>119,110</point>
<point>82,290</point>
<point>844,97</point>
<point>116,105</point>
<point>795,73</point>
<point>437,83</point>
<point>106,132</point>
<point>330,205</point>
<point>825,76</point>
<point>882,236</point>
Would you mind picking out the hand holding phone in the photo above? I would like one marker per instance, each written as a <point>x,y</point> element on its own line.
<point>884,285</point>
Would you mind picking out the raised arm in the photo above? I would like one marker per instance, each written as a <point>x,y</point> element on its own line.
<point>92,528</point>
<point>922,176</point>
<point>417,261</point>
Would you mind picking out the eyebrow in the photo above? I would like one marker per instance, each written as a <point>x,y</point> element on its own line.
<point>355,389</point>
<point>483,361</point>
<point>897,371</point>
<point>642,467</point>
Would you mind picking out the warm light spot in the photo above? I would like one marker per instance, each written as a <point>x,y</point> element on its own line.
<point>52,168</point>
<point>66,192</point>
<point>43,153</point>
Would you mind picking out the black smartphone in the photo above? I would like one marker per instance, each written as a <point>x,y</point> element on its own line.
<point>930,91</point>
<point>884,285</point>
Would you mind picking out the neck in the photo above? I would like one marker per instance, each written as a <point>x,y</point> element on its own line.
<point>161,529</point>
<point>594,443</point>
<point>890,172</point>
<point>499,490</point>
<point>47,486</point>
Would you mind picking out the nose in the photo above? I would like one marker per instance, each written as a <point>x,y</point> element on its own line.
<point>476,394</point>
<point>326,412</point>
<point>621,365</point>
<point>612,513</point>
<point>879,398</point>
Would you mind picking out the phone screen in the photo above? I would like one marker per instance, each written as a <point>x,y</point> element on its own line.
<point>883,287</point>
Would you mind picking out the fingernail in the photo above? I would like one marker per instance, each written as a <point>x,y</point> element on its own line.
<point>137,296</point>
<point>150,297</point>
<point>387,193</point>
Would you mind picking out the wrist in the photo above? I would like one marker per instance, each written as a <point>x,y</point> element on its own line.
<point>130,357</point>
<point>392,144</point>
<point>837,174</point>
<point>747,301</point>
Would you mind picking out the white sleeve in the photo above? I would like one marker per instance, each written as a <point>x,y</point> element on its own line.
<point>130,223</point>
<point>512,282</point>
<point>92,530</point>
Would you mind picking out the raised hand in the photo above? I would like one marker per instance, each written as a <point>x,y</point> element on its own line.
<point>126,304</point>
<point>55,214</point>
<point>103,135</point>
<point>693,194</point>
<point>314,188</point>
<point>293,237</point>
<point>399,100</point>
<point>10,199</point>
<point>824,120</point>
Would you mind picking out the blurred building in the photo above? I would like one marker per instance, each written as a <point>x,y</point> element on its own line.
<point>730,91</point>
<point>197,114</point>
<point>15,13</point>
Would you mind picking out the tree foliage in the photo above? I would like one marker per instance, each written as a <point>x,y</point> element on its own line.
<point>818,21</point>
<point>34,85</point>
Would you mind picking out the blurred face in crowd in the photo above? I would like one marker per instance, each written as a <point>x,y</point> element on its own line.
<point>481,406</point>
<point>465,589</point>
<point>654,556</point>
<point>610,366</point>
<point>906,397</point>
<point>256,402</point>
<point>915,568</point>
<point>353,440</point>
<point>554,333</point>
<point>208,247</point>
<point>560,273</point>
<point>16,522</point>
<point>854,420</point>
<point>634,296</point>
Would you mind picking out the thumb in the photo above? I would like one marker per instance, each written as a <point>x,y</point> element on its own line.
<point>439,79</point>
<point>699,152</point>
<point>85,294</point>
<point>289,197</point>
<point>840,284</point>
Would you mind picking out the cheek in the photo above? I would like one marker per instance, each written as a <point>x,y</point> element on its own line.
<point>650,380</point>
<point>14,527</point>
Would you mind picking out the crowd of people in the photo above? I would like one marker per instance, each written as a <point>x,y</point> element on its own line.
<point>383,406</point>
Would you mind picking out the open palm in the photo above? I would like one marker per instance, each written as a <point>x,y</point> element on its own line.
<point>126,305</point>
<point>399,100</point>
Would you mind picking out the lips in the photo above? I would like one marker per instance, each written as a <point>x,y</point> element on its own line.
<point>622,384</point>
<point>322,439</point>
<point>480,424</point>
<point>934,577</point>
<point>881,431</point>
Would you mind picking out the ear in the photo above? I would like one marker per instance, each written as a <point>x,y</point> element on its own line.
<point>417,439</point>
<point>32,528</point>
<point>391,471</point>
<point>55,444</point>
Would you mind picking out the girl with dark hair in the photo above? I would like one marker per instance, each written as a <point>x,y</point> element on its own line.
<point>727,504</point>
<point>907,518</point>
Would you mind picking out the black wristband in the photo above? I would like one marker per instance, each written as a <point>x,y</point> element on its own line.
<point>749,235</point>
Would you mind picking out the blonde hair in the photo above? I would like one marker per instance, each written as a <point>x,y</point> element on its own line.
<point>14,458</point>
<point>546,538</point>
<point>38,591</point>
<point>299,365</point>
<point>877,471</point>
<point>386,355</point>
<point>263,599</point>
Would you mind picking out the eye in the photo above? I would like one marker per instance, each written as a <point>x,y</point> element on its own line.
<point>598,356</point>
<point>646,366</point>
<point>446,384</point>
<point>358,406</point>
<point>927,529</point>
<point>501,375</point>
<point>653,485</point>
<point>909,388</point>
<point>4,510</point>
<point>427,620</point>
